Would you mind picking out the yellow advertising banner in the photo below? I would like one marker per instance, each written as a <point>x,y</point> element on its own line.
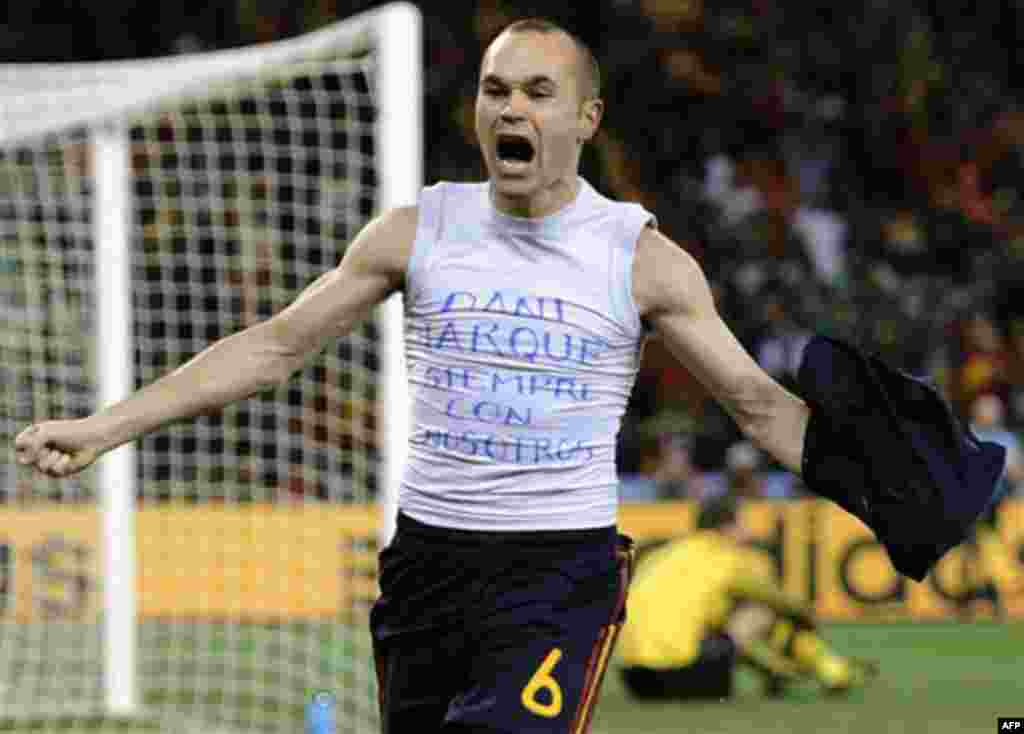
<point>256,562</point>
<point>271,562</point>
<point>49,563</point>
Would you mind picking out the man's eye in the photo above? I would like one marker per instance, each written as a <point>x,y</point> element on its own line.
<point>494,92</point>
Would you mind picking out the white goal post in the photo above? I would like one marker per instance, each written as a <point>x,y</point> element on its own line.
<point>148,207</point>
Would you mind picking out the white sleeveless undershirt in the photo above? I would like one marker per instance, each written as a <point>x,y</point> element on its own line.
<point>522,347</point>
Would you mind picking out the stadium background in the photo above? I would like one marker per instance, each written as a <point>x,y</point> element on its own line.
<point>852,170</point>
<point>847,168</point>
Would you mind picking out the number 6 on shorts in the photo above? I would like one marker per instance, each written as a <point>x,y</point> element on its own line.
<point>542,680</point>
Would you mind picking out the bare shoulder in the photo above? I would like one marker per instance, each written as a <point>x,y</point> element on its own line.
<point>372,268</point>
<point>384,245</point>
<point>666,278</point>
<point>403,218</point>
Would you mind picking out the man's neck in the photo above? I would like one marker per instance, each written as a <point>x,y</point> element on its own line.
<point>547,201</point>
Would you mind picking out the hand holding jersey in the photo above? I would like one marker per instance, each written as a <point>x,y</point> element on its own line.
<point>886,447</point>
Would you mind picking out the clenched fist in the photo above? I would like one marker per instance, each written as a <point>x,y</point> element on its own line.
<point>57,448</point>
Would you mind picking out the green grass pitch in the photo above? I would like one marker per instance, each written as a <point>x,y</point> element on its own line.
<point>939,678</point>
<point>936,678</point>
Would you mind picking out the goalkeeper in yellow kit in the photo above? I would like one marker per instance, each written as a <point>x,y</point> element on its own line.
<point>704,603</point>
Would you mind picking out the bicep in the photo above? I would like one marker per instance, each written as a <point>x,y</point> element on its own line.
<point>675,299</point>
<point>372,268</point>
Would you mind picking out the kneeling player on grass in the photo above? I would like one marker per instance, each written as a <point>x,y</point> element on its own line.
<point>702,604</point>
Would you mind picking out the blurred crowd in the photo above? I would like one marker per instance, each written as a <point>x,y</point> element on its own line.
<point>851,169</point>
<point>846,168</point>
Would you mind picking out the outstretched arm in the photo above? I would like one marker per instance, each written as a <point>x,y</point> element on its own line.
<point>673,296</point>
<point>247,362</point>
<point>881,444</point>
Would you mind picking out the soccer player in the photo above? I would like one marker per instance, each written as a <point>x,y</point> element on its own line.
<point>701,604</point>
<point>527,299</point>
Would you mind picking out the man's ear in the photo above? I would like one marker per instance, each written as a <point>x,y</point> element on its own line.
<point>591,113</point>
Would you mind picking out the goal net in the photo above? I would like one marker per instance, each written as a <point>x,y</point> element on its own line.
<point>216,574</point>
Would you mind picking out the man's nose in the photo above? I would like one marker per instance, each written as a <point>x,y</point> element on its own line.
<point>515,107</point>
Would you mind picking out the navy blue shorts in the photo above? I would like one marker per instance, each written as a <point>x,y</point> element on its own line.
<point>496,632</point>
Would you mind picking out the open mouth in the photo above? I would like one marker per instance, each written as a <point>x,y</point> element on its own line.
<point>514,149</point>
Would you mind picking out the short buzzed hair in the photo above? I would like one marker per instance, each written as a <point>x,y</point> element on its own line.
<point>590,70</point>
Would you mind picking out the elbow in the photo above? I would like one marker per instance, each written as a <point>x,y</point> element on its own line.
<point>272,361</point>
<point>273,372</point>
<point>277,367</point>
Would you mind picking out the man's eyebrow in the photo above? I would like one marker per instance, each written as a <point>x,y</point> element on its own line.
<point>533,81</point>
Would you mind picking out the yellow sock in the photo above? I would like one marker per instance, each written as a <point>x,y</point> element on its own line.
<point>811,652</point>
